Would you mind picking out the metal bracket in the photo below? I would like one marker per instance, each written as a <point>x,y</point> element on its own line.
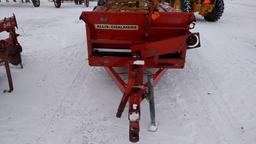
<point>153,124</point>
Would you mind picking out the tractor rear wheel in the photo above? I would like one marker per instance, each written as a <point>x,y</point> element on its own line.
<point>186,6</point>
<point>36,3</point>
<point>101,2</point>
<point>216,12</point>
<point>86,3</point>
<point>57,3</point>
<point>80,2</point>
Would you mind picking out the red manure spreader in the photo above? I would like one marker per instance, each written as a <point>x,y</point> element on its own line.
<point>10,48</point>
<point>144,38</point>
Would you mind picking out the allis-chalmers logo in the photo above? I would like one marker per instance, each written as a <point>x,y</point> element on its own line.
<point>116,27</point>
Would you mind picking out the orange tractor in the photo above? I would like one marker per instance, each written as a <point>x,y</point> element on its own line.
<point>211,10</point>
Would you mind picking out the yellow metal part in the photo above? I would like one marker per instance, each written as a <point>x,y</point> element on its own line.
<point>201,7</point>
<point>206,8</point>
<point>177,4</point>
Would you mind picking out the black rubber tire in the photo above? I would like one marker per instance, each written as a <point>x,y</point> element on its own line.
<point>86,3</point>
<point>101,2</point>
<point>217,12</point>
<point>36,3</point>
<point>57,3</point>
<point>186,5</point>
<point>80,2</point>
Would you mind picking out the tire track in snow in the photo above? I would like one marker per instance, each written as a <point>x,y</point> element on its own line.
<point>190,106</point>
<point>78,118</point>
<point>215,106</point>
<point>58,110</point>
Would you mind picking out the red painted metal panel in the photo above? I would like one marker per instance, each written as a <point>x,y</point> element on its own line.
<point>167,34</point>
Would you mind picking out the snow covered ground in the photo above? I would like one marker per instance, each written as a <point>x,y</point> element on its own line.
<point>59,99</point>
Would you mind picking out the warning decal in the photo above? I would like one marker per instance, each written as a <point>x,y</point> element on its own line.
<point>116,27</point>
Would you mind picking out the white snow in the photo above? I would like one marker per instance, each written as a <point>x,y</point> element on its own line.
<point>153,127</point>
<point>59,99</point>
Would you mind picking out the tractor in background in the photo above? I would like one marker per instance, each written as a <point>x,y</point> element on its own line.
<point>36,3</point>
<point>211,10</point>
<point>57,3</point>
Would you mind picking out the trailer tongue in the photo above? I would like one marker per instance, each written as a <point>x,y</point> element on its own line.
<point>139,36</point>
